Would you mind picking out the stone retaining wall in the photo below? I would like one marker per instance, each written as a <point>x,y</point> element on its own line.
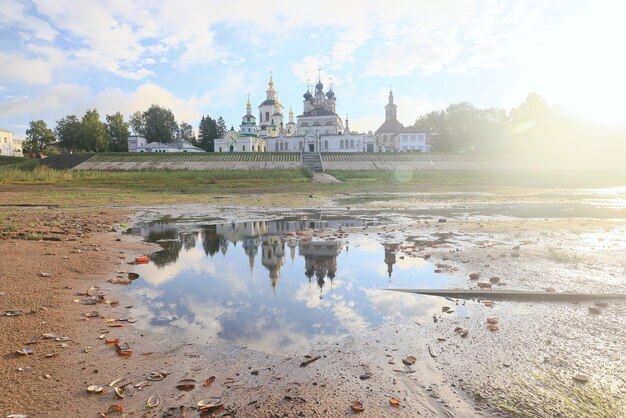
<point>216,165</point>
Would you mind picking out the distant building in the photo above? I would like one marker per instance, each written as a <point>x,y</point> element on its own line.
<point>393,136</point>
<point>8,145</point>
<point>138,143</point>
<point>318,129</point>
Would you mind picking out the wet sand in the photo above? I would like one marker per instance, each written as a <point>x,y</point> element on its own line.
<point>452,376</point>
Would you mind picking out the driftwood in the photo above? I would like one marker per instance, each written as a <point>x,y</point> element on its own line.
<point>513,294</point>
<point>310,360</point>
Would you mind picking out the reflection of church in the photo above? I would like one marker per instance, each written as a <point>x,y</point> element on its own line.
<point>273,256</point>
<point>390,256</point>
<point>320,259</point>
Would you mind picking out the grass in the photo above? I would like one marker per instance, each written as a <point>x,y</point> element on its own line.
<point>19,163</point>
<point>23,181</point>
<point>548,395</point>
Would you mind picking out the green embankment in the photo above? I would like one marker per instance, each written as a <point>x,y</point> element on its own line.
<point>23,181</point>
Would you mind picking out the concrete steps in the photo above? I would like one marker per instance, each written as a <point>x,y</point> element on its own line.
<point>313,161</point>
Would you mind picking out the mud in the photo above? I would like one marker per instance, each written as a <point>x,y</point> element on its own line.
<point>452,375</point>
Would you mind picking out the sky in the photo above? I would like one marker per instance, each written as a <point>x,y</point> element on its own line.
<point>199,57</point>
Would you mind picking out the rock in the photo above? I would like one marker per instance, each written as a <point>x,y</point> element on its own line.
<point>494,279</point>
<point>474,276</point>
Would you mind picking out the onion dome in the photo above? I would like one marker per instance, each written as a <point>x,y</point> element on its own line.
<point>307,95</point>
<point>319,85</point>
<point>330,94</point>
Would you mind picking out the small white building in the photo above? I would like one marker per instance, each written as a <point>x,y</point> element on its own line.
<point>413,140</point>
<point>393,136</point>
<point>8,145</point>
<point>138,143</point>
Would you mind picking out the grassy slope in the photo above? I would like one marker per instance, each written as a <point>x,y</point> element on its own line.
<point>20,183</point>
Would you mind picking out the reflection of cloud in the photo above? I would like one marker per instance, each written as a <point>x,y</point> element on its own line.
<point>193,259</point>
<point>206,318</point>
<point>310,295</point>
<point>396,305</point>
<point>347,315</point>
<point>344,311</point>
<point>365,244</point>
<point>409,263</point>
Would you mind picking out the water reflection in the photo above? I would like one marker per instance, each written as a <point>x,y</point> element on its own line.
<point>274,285</point>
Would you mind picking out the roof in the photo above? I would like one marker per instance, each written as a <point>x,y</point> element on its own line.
<point>318,112</point>
<point>414,130</point>
<point>391,126</point>
<point>175,145</point>
<point>270,102</point>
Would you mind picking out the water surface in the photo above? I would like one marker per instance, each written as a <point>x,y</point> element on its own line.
<point>279,284</point>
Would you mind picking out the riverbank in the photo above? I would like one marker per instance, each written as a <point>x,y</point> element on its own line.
<point>460,377</point>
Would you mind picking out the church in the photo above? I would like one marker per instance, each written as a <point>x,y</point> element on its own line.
<point>317,129</point>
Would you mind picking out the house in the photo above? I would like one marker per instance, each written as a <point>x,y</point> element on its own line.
<point>138,143</point>
<point>9,145</point>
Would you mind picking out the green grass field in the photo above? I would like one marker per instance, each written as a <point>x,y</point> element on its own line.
<point>24,181</point>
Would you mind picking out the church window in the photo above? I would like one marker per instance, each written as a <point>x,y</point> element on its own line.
<point>276,146</point>
<point>267,116</point>
<point>300,145</point>
<point>281,146</point>
<point>220,149</point>
<point>325,144</point>
<point>352,143</point>
<point>244,148</point>
<point>329,123</point>
<point>253,148</point>
<point>248,118</point>
<point>341,144</point>
<point>305,125</point>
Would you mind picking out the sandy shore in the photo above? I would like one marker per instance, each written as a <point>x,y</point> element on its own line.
<point>81,250</point>
<point>88,248</point>
<point>42,279</point>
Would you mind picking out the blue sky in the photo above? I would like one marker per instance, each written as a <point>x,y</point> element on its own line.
<point>203,57</point>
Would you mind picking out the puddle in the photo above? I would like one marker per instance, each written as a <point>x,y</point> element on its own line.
<point>277,285</point>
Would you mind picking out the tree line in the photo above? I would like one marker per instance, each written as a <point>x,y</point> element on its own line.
<point>91,134</point>
<point>533,128</point>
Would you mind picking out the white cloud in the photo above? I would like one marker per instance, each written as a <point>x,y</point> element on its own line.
<point>37,65</point>
<point>59,96</point>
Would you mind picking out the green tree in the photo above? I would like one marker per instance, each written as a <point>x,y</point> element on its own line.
<point>137,123</point>
<point>38,136</point>
<point>94,132</point>
<point>160,124</point>
<point>221,127</point>
<point>207,133</point>
<point>117,132</point>
<point>69,131</point>
<point>186,133</point>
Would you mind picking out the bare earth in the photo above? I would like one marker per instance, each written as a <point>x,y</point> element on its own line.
<point>52,381</point>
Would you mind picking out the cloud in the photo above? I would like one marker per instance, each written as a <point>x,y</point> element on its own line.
<point>59,100</point>
<point>37,65</point>
<point>422,50</point>
<point>59,96</point>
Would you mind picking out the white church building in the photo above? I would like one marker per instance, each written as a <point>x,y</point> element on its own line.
<point>318,129</point>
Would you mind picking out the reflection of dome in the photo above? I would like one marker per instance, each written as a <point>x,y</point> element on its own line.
<point>273,256</point>
<point>390,256</point>
<point>320,259</point>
